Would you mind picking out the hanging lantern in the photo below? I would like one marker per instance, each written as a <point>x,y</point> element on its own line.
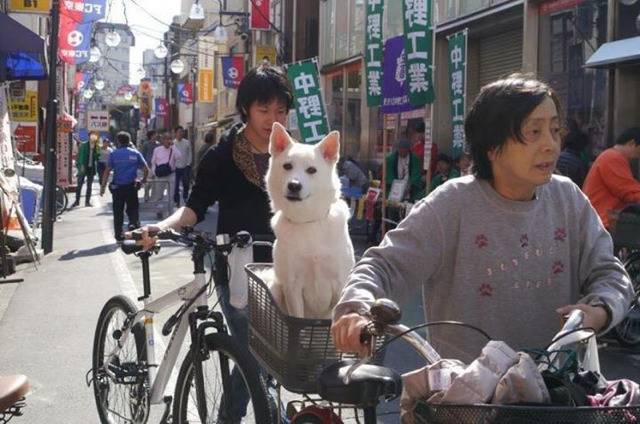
<point>112,39</point>
<point>160,51</point>
<point>94,54</point>
<point>88,93</point>
<point>99,84</point>
<point>177,66</point>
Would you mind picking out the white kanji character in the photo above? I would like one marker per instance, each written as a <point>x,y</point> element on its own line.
<point>304,82</point>
<point>373,77</point>
<point>418,78</point>
<point>458,111</point>
<point>310,106</point>
<point>373,3</point>
<point>456,83</point>
<point>314,131</point>
<point>415,12</point>
<point>415,53</point>
<point>458,135</point>
<point>373,26</point>
<point>372,53</point>
<point>456,57</point>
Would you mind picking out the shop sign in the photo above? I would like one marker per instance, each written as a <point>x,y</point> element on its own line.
<point>265,53</point>
<point>558,5</point>
<point>205,85</point>
<point>24,109</point>
<point>373,51</point>
<point>418,50</point>
<point>83,10</point>
<point>310,109</point>
<point>457,86</point>
<point>63,164</point>
<point>30,6</point>
<point>260,14</point>
<point>395,96</point>
<point>98,120</point>
<point>26,138</point>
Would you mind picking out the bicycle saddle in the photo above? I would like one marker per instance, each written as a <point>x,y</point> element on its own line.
<point>368,383</point>
<point>12,389</point>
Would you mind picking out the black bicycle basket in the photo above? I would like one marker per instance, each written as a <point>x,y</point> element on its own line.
<point>293,350</point>
<point>507,414</point>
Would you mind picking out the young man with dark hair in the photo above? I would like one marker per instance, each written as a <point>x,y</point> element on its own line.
<point>183,166</point>
<point>610,184</point>
<point>510,249</point>
<point>87,166</point>
<point>570,163</point>
<point>125,162</point>
<point>232,174</point>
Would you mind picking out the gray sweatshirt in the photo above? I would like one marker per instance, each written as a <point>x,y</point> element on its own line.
<point>499,264</point>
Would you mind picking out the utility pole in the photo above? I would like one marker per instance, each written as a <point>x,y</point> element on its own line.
<point>194,100</point>
<point>49,212</point>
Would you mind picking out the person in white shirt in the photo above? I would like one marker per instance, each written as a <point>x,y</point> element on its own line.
<point>183,166</point>
<point>165,154</point>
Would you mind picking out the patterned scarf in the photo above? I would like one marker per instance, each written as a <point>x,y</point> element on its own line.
<point>243,158</point>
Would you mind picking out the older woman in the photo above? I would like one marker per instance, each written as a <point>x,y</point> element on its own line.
<point>509,248</point>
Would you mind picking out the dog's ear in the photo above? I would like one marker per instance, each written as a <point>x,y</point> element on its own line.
<point>279,140</point>
<point>330,146</point>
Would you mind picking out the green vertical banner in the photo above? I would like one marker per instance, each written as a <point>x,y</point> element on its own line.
<point>458,87</point>
<point>310,109</point>
<point>373,48</point>
<point>418,48</point>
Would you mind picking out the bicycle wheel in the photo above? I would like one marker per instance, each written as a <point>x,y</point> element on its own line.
<point>221,390</point>
<point>61,200</point>
<point>628,331</point>
<point>123,399</point>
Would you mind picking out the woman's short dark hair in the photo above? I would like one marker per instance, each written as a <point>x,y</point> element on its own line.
<point>498,114</point>
<point>263,84</point>
<point>628,135</point>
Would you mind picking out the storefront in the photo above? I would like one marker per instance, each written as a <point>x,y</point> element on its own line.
<point>569,33</point>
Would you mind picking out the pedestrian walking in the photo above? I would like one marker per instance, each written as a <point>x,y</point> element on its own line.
<point>163,167</point>
<point>87,166</point>
<point>105,151</point>
<point>148,146</point>
<point>183,166</point>
<point>125,162</point>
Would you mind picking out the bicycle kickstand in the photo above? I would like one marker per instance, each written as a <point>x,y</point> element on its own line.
<point>166,417</point>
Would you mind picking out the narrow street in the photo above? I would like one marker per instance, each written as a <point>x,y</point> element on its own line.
<point>57,306</point>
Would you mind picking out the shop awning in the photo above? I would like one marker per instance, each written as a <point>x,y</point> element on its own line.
<point>615,52</point>
<point>21,52</point>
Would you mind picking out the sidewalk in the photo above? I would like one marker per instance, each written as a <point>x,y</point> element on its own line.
<point>47,322</point>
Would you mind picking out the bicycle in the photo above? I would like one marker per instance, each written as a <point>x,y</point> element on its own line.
<point>13,390</point>
<point>626,238</point>
<point>363,384</point>
<point>124,357</point>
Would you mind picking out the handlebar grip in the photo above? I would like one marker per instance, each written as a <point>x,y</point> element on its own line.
<point>574,321</point>
<point>366,334</point>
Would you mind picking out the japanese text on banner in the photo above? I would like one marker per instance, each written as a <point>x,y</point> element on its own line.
<point>373,51</point>
<point>457,87</point>
<point>418,48</point>
<point>310,108</point>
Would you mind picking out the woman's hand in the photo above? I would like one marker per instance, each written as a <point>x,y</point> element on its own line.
<point>346,333</point>
<point>595,317</point>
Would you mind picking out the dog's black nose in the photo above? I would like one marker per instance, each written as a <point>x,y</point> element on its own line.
<point>294,186</point>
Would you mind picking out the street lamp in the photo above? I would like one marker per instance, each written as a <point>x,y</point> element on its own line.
<point>220,35</point>
<point>197,11</point>
<point>177,66</point>
<point>141,73</point>
<point>112,39</point>
<point>94,54</point>
<point>99,84</point>
<point>161,51</point>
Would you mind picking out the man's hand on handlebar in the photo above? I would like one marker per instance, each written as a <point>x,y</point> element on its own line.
<point>147,237</point>
<point>346,333</point>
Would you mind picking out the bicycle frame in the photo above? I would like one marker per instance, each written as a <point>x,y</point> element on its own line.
<point>159,374</point>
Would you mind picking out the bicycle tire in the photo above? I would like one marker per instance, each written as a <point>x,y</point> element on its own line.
<point>134,400</point>
<point>627,332</point>
<point>62,201</point>
<point>184,407</point>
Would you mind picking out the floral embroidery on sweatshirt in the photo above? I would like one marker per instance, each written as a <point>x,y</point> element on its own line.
<point>482,241</point>
<point>524,241</point>
<point>557,267</point>
<point>485,290</point>
<point>560,234</point>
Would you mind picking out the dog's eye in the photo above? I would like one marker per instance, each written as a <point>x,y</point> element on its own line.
<point>311,170</point>
<point>287,166</point>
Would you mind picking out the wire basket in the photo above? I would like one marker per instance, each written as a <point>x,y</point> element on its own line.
<point>293,350</point>
<point>505,414</point>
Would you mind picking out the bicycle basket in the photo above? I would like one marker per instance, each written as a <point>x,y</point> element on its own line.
<point>627,230</point>
<point>293,350</point>
<point>471,414</point>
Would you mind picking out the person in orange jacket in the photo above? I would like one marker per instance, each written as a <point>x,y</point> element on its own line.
<point>610,185</point>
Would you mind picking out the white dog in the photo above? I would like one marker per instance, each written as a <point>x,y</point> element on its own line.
<point>313,253</point>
